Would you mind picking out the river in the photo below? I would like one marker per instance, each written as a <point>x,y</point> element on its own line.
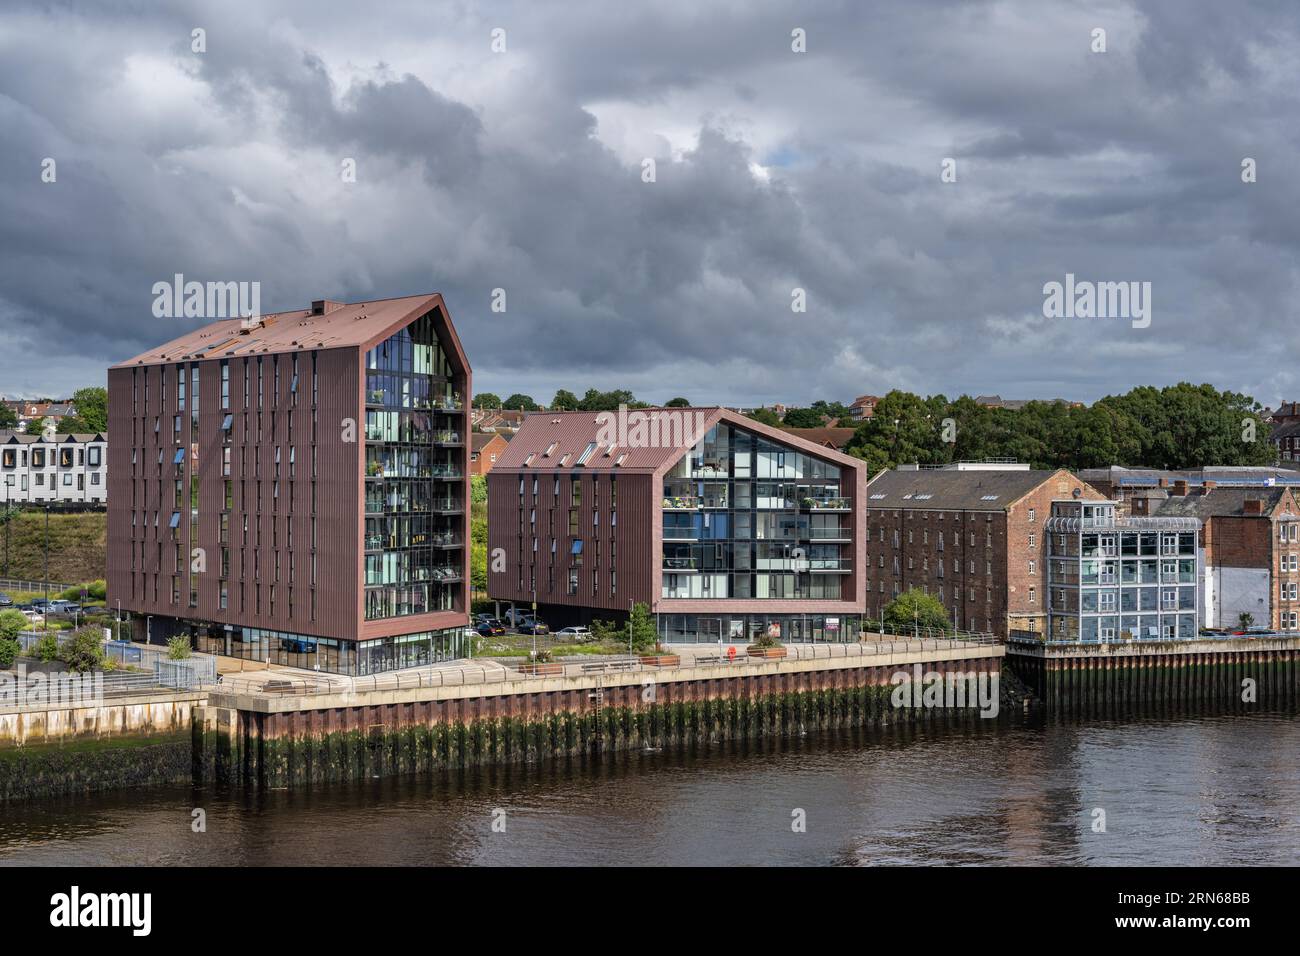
<point>1186,792</point>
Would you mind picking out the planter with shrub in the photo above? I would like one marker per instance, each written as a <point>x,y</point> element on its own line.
<point>766,647</point>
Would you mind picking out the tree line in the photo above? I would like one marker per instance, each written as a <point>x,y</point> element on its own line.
<point>1179,426</point>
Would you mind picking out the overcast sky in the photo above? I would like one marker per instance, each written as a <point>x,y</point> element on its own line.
<point>775,170</point>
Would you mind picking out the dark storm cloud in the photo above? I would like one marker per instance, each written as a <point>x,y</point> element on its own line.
<point>522,171</point>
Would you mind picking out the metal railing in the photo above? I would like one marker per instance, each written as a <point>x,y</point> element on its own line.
<point>152,667</point>
<point>15,584</point>
<point>277,683</point>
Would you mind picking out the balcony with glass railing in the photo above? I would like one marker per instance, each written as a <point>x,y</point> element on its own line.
<point>809,503</point>
<point>681,502</point>
<point>830,534</point>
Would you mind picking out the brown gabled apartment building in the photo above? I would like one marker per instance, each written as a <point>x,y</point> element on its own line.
<point>293,488</point>
<point>727,529</point>
<point>970,534</point>
<point>1250,561</point>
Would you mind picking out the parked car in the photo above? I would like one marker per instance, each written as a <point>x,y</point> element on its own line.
<point>6,600</point>
<point>41,603</point>
<point>61,606</point>
<point>490,628</point>
<point>579,635</point>
<point>533,627</point>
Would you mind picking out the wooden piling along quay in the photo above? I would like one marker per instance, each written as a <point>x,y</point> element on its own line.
<point>304,740</point>
<point>1099,680</point>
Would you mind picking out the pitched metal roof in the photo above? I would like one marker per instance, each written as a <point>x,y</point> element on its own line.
<point>555,441</point>
<point>974,490</point>
<point>341,325</point>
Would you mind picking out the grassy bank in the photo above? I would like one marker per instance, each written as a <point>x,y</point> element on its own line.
<point>78,546</point>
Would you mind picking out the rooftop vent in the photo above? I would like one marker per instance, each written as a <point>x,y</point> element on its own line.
<point>324,306</point>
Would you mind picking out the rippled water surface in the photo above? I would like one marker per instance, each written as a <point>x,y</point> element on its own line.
<point>1221,790</point>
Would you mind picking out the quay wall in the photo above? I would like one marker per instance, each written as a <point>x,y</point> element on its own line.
<point>270,741</point>
<point>114,743</point>
<point>1098,680</point>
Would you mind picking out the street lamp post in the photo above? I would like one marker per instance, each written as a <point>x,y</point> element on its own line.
<point>9,483</point>
<point>46,615</point>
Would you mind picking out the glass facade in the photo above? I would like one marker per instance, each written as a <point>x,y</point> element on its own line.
<point>415,435</point>
<point>745,517</point>
<point>746,628</point>
<point>339,657</point>
<point>1113,579</point>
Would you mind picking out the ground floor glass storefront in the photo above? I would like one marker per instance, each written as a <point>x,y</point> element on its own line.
<point>357,658</point>
<point>747,628</point>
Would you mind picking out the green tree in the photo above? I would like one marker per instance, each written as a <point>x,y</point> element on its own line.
<point>8,417</point>
<point>178,648</point>
<point>802,418</point>
<point>11,623</point>
<point>487,400</point>
<point>565,401</point>
<point>904,429</point>
<point>478,570</point>
<point>520,401</point>
<point>597,401</point>
<point>35,427</point>
<point>46,648</point>
<point>836,411</point>
<point>765,416</point>
<point>641,629</point>
<point>91,404</point>
<point>678,402</point>
<point>84,650</point>
<point>916,609</point>
<point>478,529</point>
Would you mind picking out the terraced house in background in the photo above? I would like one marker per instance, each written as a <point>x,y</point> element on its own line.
<point>294,488</point>
<point>63,471</point>
<point>746,531</point>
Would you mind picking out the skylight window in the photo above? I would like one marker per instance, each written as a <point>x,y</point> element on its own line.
<point>550,448</point>
<point>586,453</point>
<point>877,497</point>
<point>989,497</point>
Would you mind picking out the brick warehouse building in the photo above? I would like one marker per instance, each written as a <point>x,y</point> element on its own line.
<point>294,488</point>
<point>746,531</point>
<point>971,535</point>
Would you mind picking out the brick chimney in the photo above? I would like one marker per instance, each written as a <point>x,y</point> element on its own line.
<point>1179,489</point>
<point>1209,486</point>
<point>1253,506</point>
